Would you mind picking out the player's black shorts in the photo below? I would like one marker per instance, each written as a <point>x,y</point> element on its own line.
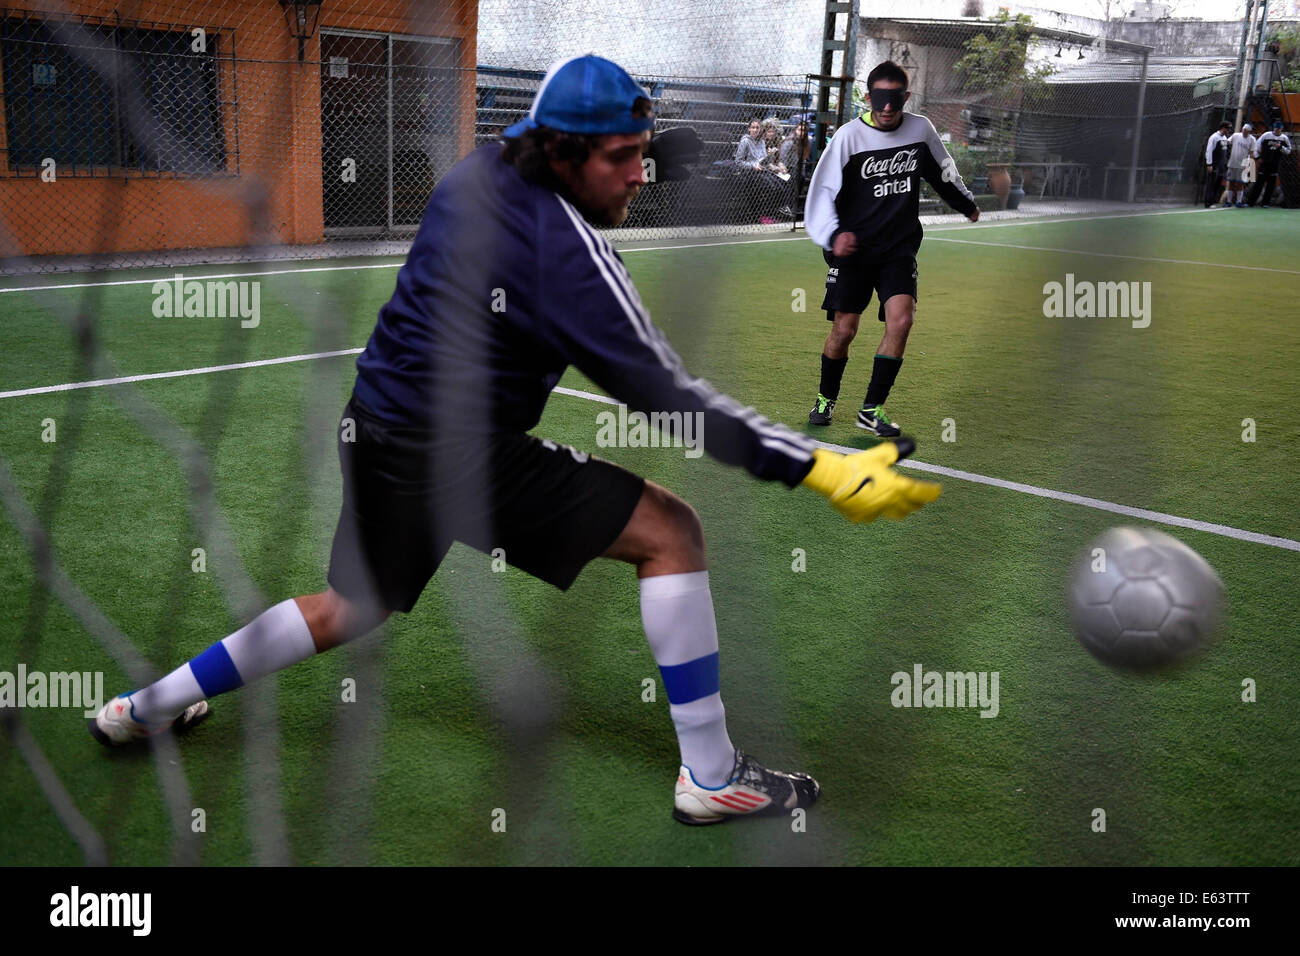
<point>851,280</point>
<point>406,498</point>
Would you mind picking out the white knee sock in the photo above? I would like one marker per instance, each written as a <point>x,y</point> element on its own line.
<point>270,642</point>
<point>677,612</point>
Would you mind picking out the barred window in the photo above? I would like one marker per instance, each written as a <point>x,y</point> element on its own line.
<point>106,99</point>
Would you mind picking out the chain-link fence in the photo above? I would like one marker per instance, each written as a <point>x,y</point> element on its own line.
<point>1053,117</point>
<point>174,130</point>
<point>180,132</point>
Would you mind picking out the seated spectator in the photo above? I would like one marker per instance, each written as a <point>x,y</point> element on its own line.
<point>796,148</point>
<point>772,147</point>
<point>759,176</point>
<point>794,155</point>
<point>750,151</point>
<point>768,185</point>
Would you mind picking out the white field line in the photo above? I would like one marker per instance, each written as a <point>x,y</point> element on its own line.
<point>1157,517</point>
<point>199,278</point>
<point>1115,255</point>
<point>1153,516</point>
<point>946,224</point>
<point>1096,503</point>
<point>150,376</point>
<point>693,245</point>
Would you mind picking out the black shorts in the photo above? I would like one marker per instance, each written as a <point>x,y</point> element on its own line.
<point>406,498</point>
<point>851,280</point>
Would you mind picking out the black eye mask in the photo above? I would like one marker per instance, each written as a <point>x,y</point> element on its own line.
<point>880,98</point>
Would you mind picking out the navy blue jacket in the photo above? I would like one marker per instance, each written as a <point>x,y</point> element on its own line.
<point>506,285</point>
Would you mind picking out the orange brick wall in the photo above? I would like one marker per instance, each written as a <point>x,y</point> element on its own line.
<point>276,196</point>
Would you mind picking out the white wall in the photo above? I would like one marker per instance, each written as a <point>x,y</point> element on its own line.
<point>656,37</point>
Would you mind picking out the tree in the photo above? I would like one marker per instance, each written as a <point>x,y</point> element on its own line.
<point>997,68</point>
<point>1287,43</point>
<point>999,64</point>
<point>1108,10</point>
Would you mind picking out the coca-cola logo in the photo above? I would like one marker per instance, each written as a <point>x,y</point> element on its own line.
<point>903,161</point>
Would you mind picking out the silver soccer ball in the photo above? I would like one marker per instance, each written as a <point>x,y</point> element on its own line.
<point>1141,599</point>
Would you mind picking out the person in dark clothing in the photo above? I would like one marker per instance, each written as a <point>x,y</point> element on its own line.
<point>1216,163</point>
<point>507,284</point>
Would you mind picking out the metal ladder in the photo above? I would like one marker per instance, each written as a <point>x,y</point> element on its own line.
<point>842,40</point>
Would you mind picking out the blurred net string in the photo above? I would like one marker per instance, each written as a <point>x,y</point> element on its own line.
<point>262,747</point>
<point>93,850</point>
<point>353,139</point>
<point>241,595</point>
<point>49,577</point>
<point>165,754</point>
<point>368,87</point>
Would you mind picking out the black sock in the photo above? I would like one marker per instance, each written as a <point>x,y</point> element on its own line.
<point>832,373</point>
<point>883,372</point>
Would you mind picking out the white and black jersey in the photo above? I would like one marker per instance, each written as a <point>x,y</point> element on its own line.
<point>1270,149</point>
<point>868,182</point>
<point>1216,151</point>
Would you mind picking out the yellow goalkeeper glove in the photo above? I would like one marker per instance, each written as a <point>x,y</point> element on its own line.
<point>863,487</point>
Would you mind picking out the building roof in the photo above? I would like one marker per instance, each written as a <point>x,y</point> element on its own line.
<point>954,33</point>
<point>1174,70</point>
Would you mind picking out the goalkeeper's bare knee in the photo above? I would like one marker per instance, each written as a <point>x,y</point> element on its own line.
<point>663,536</point>
<point>334,619</point>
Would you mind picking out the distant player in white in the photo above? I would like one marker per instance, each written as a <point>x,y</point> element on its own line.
<point>1270,149</point>
<point>1241,146</point>
<point>1216,162</point>
<point>864,211</point>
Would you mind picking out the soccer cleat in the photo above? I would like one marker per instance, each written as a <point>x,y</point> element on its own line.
<point>1241,205</point>
<point>752,791</point>
<point>822,411</point>
<point>115,724</point>
<point>874,420</point>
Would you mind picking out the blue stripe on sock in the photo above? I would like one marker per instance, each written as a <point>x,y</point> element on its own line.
<point>692,680</point>
<point>215,671</point>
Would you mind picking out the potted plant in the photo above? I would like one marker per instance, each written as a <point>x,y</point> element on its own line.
<point>971,165</point>
<point>1015,194</point>
<point>1000,172</point>
<point>1000,182</point>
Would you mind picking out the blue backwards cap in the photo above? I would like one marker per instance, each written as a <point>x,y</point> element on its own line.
<point>585,94</point>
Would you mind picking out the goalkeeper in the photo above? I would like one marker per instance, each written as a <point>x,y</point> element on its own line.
<point>506,285</point>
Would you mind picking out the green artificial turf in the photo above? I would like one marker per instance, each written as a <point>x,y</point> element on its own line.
<point>499,693</point>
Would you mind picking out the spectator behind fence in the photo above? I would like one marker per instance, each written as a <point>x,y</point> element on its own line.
<point>795,148</point>
<point>750,151</point>
<point>772,178</point>
<point>755,166</point>
<point>794,154</point>
<point>772,146</point>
